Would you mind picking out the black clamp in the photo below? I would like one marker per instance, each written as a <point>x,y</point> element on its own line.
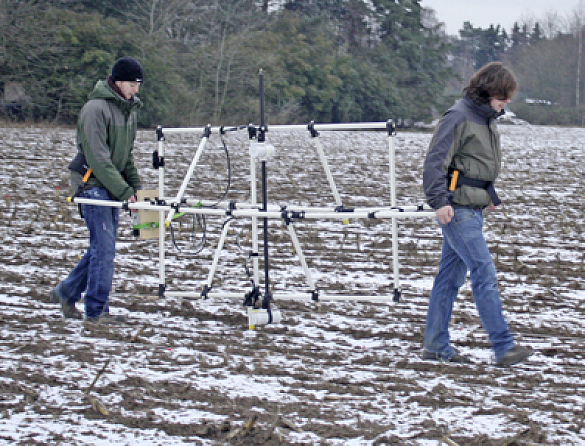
<point>207,131</point>
<point>251,297</point>
<point>289,216</point>
<point>262,133</point>
<point>157,161</point>
<point>252,131</point>
<point>284,215</point>
<point>231,208</point>
<point>205,292</point>
<point>397,294</point>
<point>311,127</point>
<point>159,133</point>
<point>391,127</point>
<point>315,295</point>
<point>257,133</point>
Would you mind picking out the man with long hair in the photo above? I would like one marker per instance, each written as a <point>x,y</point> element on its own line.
<point>460,168</point>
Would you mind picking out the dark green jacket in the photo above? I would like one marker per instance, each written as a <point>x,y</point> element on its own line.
<point>106,130</point>
<point>466,139</point>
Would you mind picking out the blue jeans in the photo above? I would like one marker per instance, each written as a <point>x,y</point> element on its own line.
<point>95,271</point>
<point>465,249</point>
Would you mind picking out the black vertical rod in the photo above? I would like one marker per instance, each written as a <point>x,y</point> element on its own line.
<point>261,138</point>
<point>262,122</point>
<point>265,208</point>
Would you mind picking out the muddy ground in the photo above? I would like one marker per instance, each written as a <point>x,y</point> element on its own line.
<point>189,371</point>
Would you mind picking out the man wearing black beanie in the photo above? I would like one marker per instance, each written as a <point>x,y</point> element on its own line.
<point>106,130</point>
<point>127,69</point>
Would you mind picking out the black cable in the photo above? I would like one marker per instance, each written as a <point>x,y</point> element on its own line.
<point>199,220</point>
<point>229,174</point>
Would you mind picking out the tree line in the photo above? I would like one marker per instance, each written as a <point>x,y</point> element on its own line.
<point>323,60</point>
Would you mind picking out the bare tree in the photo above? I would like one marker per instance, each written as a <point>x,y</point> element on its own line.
<point>552,24</point>
<point>578,20</point>
<point>166,19</point>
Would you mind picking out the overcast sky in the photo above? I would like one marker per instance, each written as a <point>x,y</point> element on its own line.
<point>482,13</point>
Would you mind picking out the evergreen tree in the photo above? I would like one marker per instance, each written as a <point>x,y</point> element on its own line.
<point>312,8</point>
<point>327,60</point>
<point>418,53</point>
<point>518,38</point>
<point>536,35</point>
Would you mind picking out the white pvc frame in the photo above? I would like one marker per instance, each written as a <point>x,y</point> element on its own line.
<point>171,205</point>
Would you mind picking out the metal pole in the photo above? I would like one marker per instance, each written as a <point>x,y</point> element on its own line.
<point>254,202</point>
<point>222,238</point>
<point>325,165</point>
<point>392,156</point>
<point>161,214</point>
<point>261,138</point>
<point>309,214</point>
<point>266,260</point>
<point>298,249</point>
<point>187,178</point>
<point>332,127</point>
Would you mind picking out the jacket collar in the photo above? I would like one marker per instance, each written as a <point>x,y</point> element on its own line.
<point>103,90</point>
<point>481,109</point>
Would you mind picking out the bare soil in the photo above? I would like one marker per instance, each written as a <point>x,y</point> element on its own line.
<point>189,371</point>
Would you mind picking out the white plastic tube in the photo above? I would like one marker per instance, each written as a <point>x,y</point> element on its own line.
<point>260,316</point>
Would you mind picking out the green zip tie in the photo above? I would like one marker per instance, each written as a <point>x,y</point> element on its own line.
<point>155,225</point>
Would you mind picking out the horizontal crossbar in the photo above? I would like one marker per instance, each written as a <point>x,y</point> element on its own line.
<point>293,213</point>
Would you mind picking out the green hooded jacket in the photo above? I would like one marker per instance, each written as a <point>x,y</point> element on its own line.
<point>106,130</point>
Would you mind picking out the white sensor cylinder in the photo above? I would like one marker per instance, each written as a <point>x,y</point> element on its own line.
<point>260,317</point>
<point>261,150</point>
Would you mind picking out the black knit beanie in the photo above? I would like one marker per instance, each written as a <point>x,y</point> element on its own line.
<point>127,69</point>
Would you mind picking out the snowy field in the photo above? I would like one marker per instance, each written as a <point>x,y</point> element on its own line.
<point>188,371</point>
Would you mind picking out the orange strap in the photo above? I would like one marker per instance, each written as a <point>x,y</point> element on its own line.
<point>87,175</point>
<point>454,178</point>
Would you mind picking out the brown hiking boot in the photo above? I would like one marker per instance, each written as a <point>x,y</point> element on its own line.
<point>107,319</point>
<point>515,355</point>
<point>69,311</point>
<point>456,359</point>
